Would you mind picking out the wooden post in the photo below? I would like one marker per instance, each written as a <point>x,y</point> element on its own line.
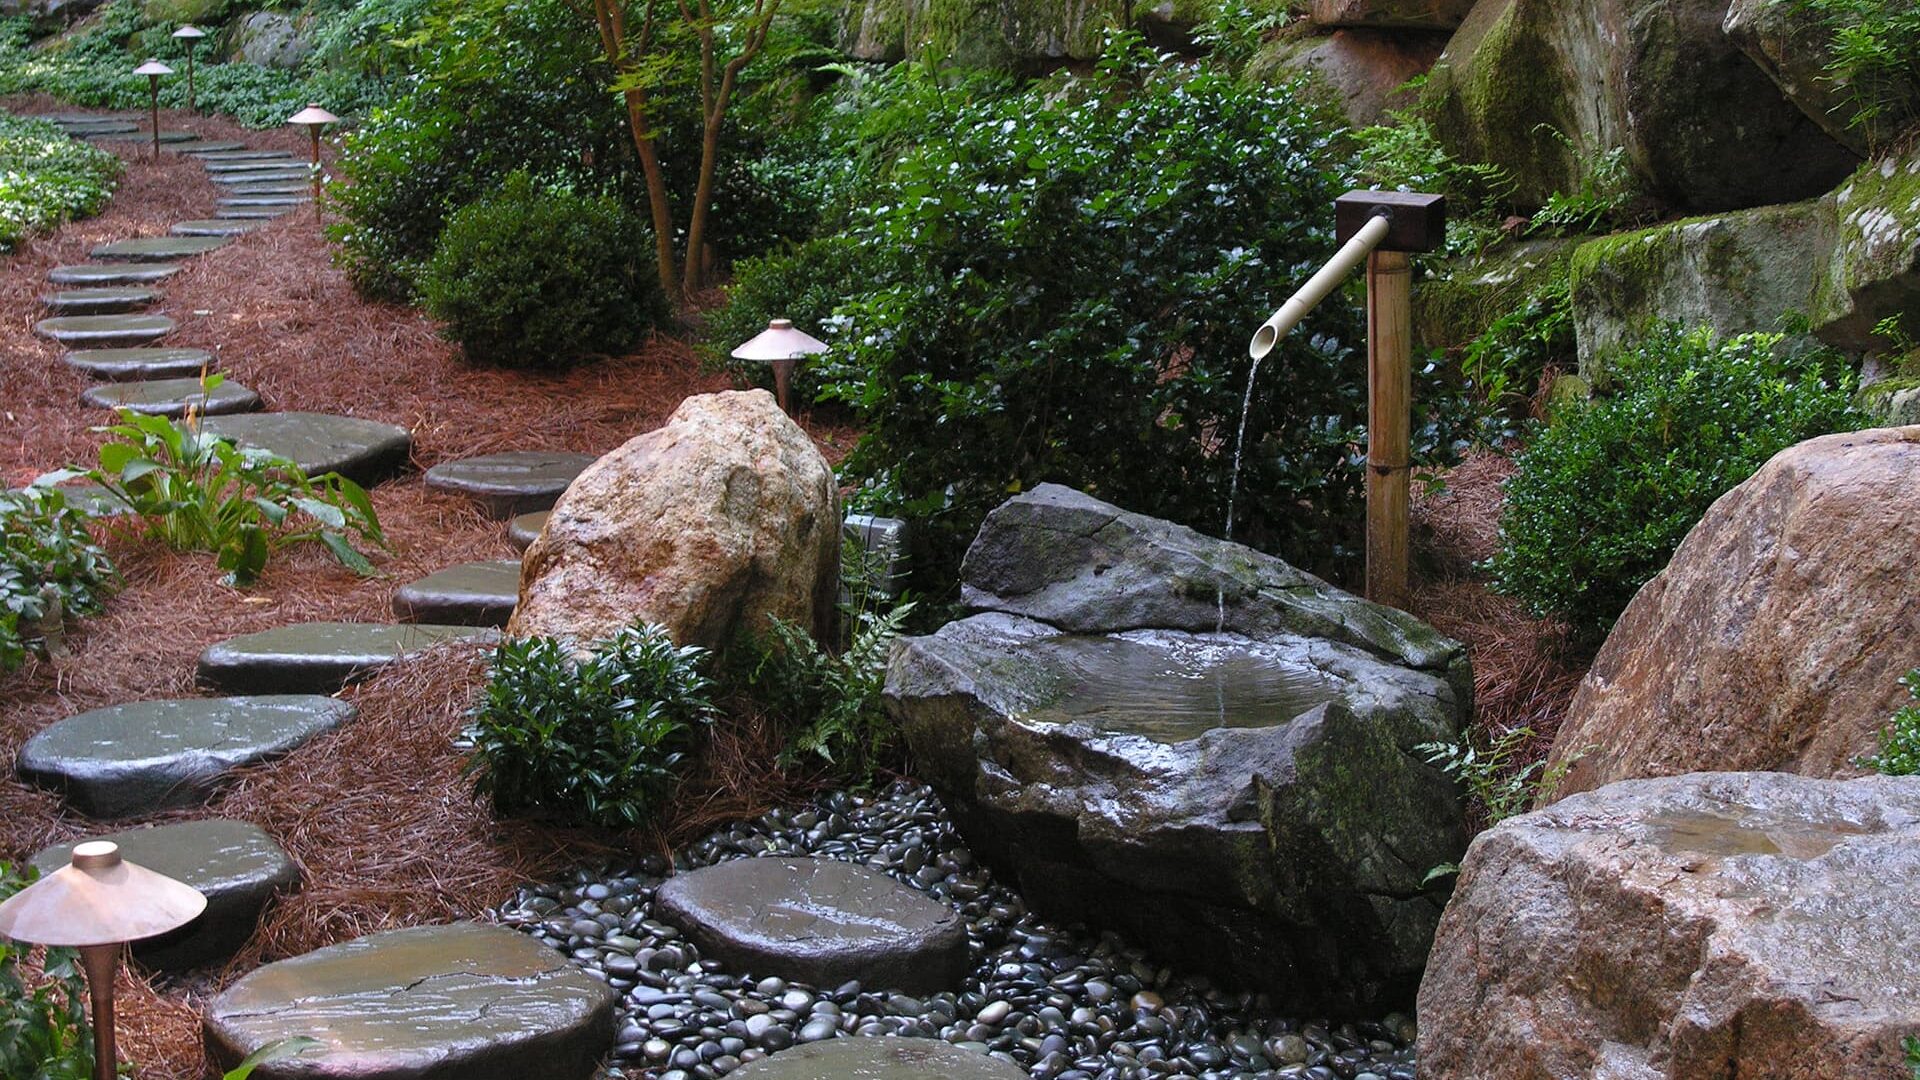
<point>1389,397</point>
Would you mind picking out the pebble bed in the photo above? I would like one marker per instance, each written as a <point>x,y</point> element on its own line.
<point>1062,1003</point>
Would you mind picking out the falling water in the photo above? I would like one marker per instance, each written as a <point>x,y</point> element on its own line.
<point>1233,489</point>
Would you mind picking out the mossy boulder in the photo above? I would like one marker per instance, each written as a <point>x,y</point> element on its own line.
<point>1010,35</point>
<point>1390,14</point>
<point>1893,402</point>
<point>1461,300</point>
<point>1794,48</point>
<point>1874,272</point>
<point>1363,70</point>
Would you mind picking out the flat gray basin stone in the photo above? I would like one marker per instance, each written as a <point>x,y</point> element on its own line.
<point>233,863</point>
<point>511,483</point>
<point>212,227</point>
<point>364,451</point>
<point>144,756</point>
<point>258,176</point>
<point>99,300</point>
<point>208,146</point>
<point>524,529</point>
<point>861,1058</point>
<point>123,365</point>
<point>319,657</point>
<point>121,274</point>
<point>141,135</point>
<point>159,248</point>
<point>172,397</point>
<point>263,200</point>
<point>818,921</point>
<point>237,152</point>
<point>459,1002</point>
<point>104,330</point>
<point>472,594</point>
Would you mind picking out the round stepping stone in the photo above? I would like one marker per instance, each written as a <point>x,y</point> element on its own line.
<point>213,227</point>
<point>263,200</point>
<point>121,274</point>
<point>525,528</point>
<point>271,187</point>
<point>364,451</point>
<point>78,117</point>
<point>425,1003</point>
<point>154,755</point>
<point>259,176</point>
<point>319,657</point>
<point>237,152</point>
<point>104,331</point>
<point>166,136</point>
<point>818,921</point>
<point>125,365</point>
<point>223,168</point>
<point>860,1058</point>
<point>97,126</point>
<point>208,146</point>
<point>472,594</point>
<point>99,300</point>
<point>159,248</point>
<point>251,213</point>
<point>172,397</point>
<point>511,483</point>
<point>235,866</point>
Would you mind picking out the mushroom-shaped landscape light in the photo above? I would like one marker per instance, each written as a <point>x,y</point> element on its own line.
<point>153,69</point>
<point>97,904</point>
<point>782,346</point>
<point>189,36</point>
<point>313,118</point>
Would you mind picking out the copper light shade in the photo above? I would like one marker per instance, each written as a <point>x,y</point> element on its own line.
<point>782,346</point>
<point>313,114</point>
<point>189,31</point>
<point>153,67</point>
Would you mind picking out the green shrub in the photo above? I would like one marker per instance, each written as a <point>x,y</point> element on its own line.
<point>1492,771</point>
<point>805,285</point>
<point>1606,491</point>
<point>47,557</point>
<point>1900,740</point>
<point>47,178</point>
<point>1404,154</point>
<point>595,739</point>
<point>1506,362</point>
<point>1912,1046</point>
<point>44,1034</point>
<point>536,278</point>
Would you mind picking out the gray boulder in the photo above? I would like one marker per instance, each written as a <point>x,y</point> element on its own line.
<point>1195,742</point>
<point>1363,68</point>
<point>270,39</point>
<point>49,15</point>
<point>1794,47</point>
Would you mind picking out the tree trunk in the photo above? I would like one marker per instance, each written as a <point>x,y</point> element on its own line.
<point>702,201</point>
<point>657,199</point>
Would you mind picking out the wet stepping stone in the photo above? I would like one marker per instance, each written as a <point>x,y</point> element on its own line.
<point>263,200</point>
<point>99,300</point>
<point>104,331</point>
<point>251,213</point>
<point>319,657</point>
<point>511,483</point>
<point>213,227</point>
<point>862,1058</point>
<point>818,921</point>
<point>525,528</point>
<point>271,187</point>
<point>97,126</point>
<point>172,397</point>
<point>121,274</point>
<point>364,451</point>
<point>472,594</point>
<point>93,499</point>
<point>463,1001</point>
<point>159,248</point>
<point>155,755</point>
<point>228,168</point>
<point>236,152</point>
<point>259,176</point>
<point>166,136</point>
<point>133,365</point>
<point>208,146</point>
<point>234,864</point>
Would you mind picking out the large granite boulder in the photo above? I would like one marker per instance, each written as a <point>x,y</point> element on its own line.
<point>707,525</point>
<point>1461,298</point>
<point>1794,47</point>
<point>1875,269</point>
<point>1776,637</point>
<point>270,39</point>
<point>1713,925</point>
<point>1366,70</point>
<point>1012,35</point>
<point>1391,14</point>
<point>1185,738</point>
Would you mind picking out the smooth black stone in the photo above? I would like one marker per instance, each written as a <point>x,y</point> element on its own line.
<point>319,657</point>
<point>99,300</point>
<point>472,594</point>
<point>104,331</point>
<point>511,483</point>
<point>120,365</point>
<point>172,397</point>
<point>159,248</point>
<point>94,274</point>
<point>525,528</point>
<point>879,1059</point>
<point>212,227</point>
<point>364,451</point>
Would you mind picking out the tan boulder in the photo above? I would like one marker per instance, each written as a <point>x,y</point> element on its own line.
<point>724,515</point>
<point>1777,636</point>
<point>1391,14</point>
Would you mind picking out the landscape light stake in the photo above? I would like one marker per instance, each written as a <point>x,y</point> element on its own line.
<point>782,346</point>
<point>313,118</point>
<point>153,69</point>
<point>190,35</point>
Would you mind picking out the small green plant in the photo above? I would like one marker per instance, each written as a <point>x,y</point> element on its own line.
<point>194,491</point>
<point>592,739</point>
<point>47,178</point>
<point>44,1034</point>
<point>1912,1046</point>
<point>1405,154</point>
<point>1900,740</point>
<point>50,566</point>
<point>1233,34</point>
<point>1505,363</point>
<point>276,1050</point>
<point>1605,195</point>
<point>1874,60</point>
<point>1492,774</point>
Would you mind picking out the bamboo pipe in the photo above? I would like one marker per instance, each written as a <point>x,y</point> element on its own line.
<point>1389,400</point>
<point>1318,286</point>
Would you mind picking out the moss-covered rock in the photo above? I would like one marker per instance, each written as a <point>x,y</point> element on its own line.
<point>1016,35</point>
<point>1874,272</point>
<point>1364,70</point>
<point>1893,402</point>
<point>1458,303</point>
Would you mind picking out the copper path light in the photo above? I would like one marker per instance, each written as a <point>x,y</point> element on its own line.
<point>782,346</point>
<point>313,118</point>
<point>97,904</point>
<point>190,35</point>
<point>153,69</point>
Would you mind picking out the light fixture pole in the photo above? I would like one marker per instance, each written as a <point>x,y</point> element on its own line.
<point>153,69</point>
<point>782,346</point>
<point>190,35</point>
<point>313,118</point>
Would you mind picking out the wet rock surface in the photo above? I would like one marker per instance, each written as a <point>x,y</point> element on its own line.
<point>105,331</point>
<point>99,300</point>
<point>159,248</point>
<point>116,274</point>
<point>515,482</point>
<point>318,657</point>
<point>138,364</point>
<point>472,594</point>
<point>212,227</point>
<point>172,397</point>
<point>364,451</point>
<point>524,528</point>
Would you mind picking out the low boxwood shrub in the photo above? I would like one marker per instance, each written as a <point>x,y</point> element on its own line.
<point>535,277</point>
<point>47,178</point>
<point>1608,488</point>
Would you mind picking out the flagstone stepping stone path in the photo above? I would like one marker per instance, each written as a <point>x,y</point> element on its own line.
<point>99,300</point>
<point>167,135</point>
<point>144,756</point>
<point>123,365</point>
<point>364,451</point>
<point>159,248</point>
<point>228,167</point>
<point>114,274</point>
<point>208,146</point>
<point>511,483</point>
<point>250,213</point>
<point>261,176</point>
<point>104,331</point>
<point>213,227</point>
<point>172,397</point>
<point>82,127</point>
<point>319,657</point>
<point>881,1059</point>
<point>236,152</point>
<point>524,529</point>
<point>262,200</point>
<point>271,187</point>
<point>818,921</point>
<point>471,594</point>
<point>233,863</point>
<point>464,1001</point>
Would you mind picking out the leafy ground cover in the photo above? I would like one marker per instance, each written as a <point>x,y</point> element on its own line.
<point>47,178</point>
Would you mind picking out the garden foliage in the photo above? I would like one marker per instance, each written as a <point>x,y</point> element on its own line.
<point>49,564</point>
<point>44,1034</point>
<point>1900,740</point>
<point>1875,50</point>
<point>47,178</point>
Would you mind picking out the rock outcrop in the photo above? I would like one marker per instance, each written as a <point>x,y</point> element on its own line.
<point>1712,925</point>
<point>707,525</point>
<point>1776,637</point>
<point>1182,737</point>
<point>1365,68</point>
<point>1795,49</point>
<point>270,39</point>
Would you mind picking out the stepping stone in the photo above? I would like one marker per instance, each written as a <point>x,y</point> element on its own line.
<point>93,499</point>
<point>272,187</point>
<point>251,213</point>
<point>319,657</point>
<point>133,365</point>
<point>99,300</point>
<point>208,146</point>
<point>97,126</point>
<point>260,176</point>
<point>104,331</point>
<point>237,867</point>
<point>159,248</point>
<point>66,118</point>
<point>525,528</point>
<point>212,227</point>
<point>122,274</point>
<point>227,168</point>
<point>172,397</point>
<point>472,594</point>
<point>511,483</point>
<point>364,451</point>
<point>155,755</point>
<point>818,921</point>
<point>262,200</point>
<point>236,152</point>
<point>459,1002</point>
<point>864,1058</point>
<point>166,136</point>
